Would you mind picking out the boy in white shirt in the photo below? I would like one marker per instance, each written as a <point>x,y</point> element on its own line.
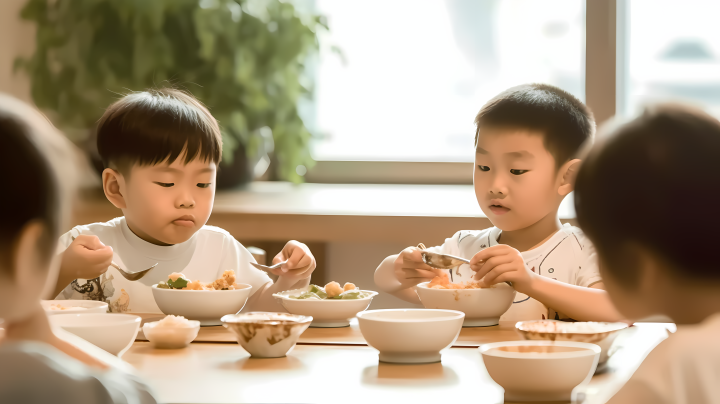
<point>655,256</point>
<point>527,142</point>
<point>161,149</point>
<point>36,364</point>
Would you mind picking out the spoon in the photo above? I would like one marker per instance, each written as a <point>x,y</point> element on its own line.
<point>266,268</point>
<point>131,276</point>
<point>442,261</point>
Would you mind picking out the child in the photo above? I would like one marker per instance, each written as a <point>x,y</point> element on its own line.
<point>161,149</point>
<point>527,141</point>
<point>35,365</point>
<point>656,257</point>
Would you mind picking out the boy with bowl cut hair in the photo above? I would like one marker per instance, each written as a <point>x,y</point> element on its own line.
<point>161,149</point>
<point>527,142</point>
<point>36,365</point>
<point>654,259</point>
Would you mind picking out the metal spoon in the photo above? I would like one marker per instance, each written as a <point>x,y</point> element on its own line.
<point>443,261</point>
<point>266,268</point>
<point>131,276</point>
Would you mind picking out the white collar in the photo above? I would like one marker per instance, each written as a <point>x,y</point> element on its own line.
<point>157,252</point>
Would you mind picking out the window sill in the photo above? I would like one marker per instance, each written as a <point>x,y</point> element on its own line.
<point>278,211</point>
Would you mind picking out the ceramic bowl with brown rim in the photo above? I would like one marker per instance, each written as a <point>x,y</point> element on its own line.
<point>601,334</point>
<point>266,335</point>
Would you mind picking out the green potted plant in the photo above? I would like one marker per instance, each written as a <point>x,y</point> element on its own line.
<point>245,59</point>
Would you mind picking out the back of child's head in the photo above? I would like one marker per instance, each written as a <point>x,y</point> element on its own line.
<point>155,126</point>
<point>654,182</point>
<point>563,120</point>
<point>33,155</point>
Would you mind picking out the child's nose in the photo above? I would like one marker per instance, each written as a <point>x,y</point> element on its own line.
<point>498,186</point>
<point>186,201</point>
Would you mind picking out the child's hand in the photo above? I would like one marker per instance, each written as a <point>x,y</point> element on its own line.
<point>301,262</point>
<point>501,263</point>
<point>86,258</point>
<point>410,269</point>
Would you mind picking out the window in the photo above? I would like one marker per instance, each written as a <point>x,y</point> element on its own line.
<point>414,73</point>
<point>672,52</point>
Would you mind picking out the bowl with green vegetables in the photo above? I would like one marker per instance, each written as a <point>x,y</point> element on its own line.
<point>330,306</point>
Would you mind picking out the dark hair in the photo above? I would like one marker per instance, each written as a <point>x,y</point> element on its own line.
<point>153,126</point>
<point>565,122</point>
<point>633,187</point>
<point>31,191</point>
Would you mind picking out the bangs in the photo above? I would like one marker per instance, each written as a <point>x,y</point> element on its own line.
<point>153,127</point>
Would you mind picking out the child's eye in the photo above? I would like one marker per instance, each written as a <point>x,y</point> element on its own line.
<point>203,184</point>
<point>518,172</point>
<point>165,184</point>
<point>484,168</point>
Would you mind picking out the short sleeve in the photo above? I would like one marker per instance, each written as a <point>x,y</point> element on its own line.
<point>238,258</point>
<point>451,245</point>
<point>588,272</point>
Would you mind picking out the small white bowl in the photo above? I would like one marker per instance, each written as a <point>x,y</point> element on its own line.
<point>410,335</point>
<point>602,334</point>
<point>171,337</point>
<point>325,313</point>
<point>482,307</point>
<point>112,332</point>
<point>206,306</point>
<point>74,306</point>
<point>267,335</point>
<point>540,370</point>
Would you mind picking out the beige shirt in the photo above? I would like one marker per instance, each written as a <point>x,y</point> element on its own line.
<point>683,369</point>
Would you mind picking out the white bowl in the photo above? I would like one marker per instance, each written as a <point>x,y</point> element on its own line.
<point>112,332</point>
<point>267,335</point>
<point>171,337</point>
<point>74,306</point>
<point>540,370</point>
<point>327,312</point>
<point>206,306</point>
<point>482,307</point>
<point>410,335</point>
<point>602,334</point>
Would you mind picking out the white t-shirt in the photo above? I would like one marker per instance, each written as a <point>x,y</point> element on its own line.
<point>34,372</point>
<point>568,256</point>
<point>683,369</point>
<point>203,257</point>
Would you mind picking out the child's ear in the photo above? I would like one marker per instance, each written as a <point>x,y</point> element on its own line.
<point>566,175</point>
<point>112,182</point>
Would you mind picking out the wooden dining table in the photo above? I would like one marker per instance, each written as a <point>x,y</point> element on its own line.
<point>336,365</point>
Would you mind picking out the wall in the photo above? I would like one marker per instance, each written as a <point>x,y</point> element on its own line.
<point>17,38</point>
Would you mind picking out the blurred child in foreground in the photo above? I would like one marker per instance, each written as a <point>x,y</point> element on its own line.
<point>648,196</point>
<point>35,365</point>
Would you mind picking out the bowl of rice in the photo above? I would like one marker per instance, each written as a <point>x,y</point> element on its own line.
<point>482,305</point>
<point>172,332</point>
<point>599,333</point>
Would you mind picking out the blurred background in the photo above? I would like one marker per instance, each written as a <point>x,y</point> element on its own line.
<point>348,124</point>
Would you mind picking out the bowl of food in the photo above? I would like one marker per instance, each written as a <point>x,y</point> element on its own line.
<point>482,305</point>
<point>410,335</point>
<point>53,307</point>
<point>172,332</point>
<point>329,306</point>
<point>267,335</point>
<point>602,334</point>
<point>112,332</point>
<point>204,302</point>
<point>540,370</point>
